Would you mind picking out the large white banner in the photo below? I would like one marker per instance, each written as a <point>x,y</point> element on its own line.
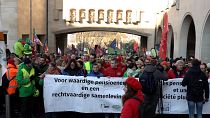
<point>88,95</point>
<point>3,61</point>
<point>174,98</point>
<point>104,95</point>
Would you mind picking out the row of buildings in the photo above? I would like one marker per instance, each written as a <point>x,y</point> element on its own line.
<point>188,22</point>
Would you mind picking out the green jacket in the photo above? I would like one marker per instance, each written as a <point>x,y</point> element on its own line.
<point>18,49</point>
<point>26,85</point>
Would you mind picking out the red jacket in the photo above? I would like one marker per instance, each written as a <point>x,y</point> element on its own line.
<point>103,71</point>
<point>122,67</point>
<point>131,107</point>
<point>114,72</point>
<point>173,73</point>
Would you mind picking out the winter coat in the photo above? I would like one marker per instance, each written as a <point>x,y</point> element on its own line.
<point>72,72</point>
<point>131,107</point>
<point>174,73</point>
<point>122,67</point>
<point>114,72</point>
<point>95,74</point>
<point>43,68</point>
<point>103,71</point>
<point>26,85</point>
<point>131,73</point>
<point>18,49</point>
<point>158,75</point>
<point>11,74</point>
<point>55,71</point>
<point>191,76</point>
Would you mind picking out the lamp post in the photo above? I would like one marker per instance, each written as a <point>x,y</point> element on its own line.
<point>46,22</point>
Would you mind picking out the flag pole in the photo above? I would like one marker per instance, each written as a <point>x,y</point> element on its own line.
<point>46,22</point>
<point>31,20</point>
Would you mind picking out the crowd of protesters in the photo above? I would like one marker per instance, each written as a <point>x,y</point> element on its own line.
<point>27,71</point>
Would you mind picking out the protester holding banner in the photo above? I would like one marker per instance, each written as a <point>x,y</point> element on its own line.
<point>54,70</point>
<point>178,71</point>
<point>95,72</point>
<point>101,68</point>
<point>120,65</point>
<point>88,64</point>
<point>132,71</point>
<point>72,69</point>
<point>114,71</point>
<point>132,99</point>
<point>197,89</point>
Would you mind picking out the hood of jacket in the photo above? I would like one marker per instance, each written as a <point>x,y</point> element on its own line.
<point>140,96</point>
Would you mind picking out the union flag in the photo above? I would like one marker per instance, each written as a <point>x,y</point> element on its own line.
<point>163,44</point>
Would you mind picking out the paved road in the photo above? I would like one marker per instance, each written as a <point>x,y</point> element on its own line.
<point>158,116</point>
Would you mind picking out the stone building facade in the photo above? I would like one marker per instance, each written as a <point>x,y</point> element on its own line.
<point>188,21</point>
<point>8,20</point>
<point>189,28</point>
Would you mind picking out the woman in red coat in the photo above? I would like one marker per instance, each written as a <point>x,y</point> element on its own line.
<point>132,99</point>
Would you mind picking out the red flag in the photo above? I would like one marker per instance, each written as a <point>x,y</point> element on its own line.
<point>163,44</point>
<point>135,46</point>
<point>46,49</point>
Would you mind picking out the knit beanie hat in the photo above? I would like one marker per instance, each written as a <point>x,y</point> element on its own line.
<point>133,83</point>
<point>11,61</point>
<point>164,63</point>
<point>27,49</point>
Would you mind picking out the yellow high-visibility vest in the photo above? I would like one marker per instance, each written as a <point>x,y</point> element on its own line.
<point>27,75</point>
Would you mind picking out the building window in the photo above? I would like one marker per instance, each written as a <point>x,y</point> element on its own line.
<point>91,16</point>
<point>100,15</point>
<point>110,16</point>
<point>128,16</point>
<point>24,36</point>
<point>72,15</point>
<point>119,15</point>
<point>82,15</point>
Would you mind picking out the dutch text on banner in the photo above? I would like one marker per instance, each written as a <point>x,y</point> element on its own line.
<point>87,95</point>
<point>174,98</point>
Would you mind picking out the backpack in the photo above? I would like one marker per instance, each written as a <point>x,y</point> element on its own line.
<point>148,83</point>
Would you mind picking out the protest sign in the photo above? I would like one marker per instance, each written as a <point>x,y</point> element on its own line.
<point>104,95</point>
<point>88,95</point>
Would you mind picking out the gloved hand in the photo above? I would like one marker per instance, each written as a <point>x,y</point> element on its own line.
<point>36,93</point>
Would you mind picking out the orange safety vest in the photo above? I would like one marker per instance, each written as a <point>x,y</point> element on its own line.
<point>11,76</point>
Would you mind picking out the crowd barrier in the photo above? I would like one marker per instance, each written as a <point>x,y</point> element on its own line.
<point>104,95</point>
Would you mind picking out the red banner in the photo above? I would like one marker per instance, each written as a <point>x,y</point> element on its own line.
<point>163,44</point>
